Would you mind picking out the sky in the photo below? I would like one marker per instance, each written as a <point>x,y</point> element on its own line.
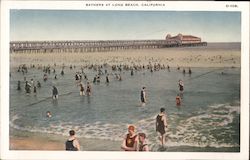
<point>211,26</point>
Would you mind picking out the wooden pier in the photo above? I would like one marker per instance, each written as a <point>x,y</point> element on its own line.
<point>92,46</point>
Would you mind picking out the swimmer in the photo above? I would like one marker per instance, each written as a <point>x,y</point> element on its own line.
<point>48,114</point>
<point>178,100</point>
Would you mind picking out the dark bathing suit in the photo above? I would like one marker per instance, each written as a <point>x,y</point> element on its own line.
<point>181,87</point>
<point>130,141</point>
<point>142,146</point>
<point>160,125</point>
<point>69,145</point>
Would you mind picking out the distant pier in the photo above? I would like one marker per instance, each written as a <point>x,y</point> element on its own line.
<point>96,46</point>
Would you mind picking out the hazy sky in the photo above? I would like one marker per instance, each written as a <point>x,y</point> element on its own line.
<point>123,25</point>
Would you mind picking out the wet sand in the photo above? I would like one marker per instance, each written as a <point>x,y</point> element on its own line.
<point>23,140</point>
<point>49,142</point>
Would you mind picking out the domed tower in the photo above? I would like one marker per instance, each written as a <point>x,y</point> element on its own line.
<point>168,36</point>
<point>180,36</point>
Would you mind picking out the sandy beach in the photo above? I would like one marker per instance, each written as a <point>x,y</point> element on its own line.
<point>23,140</point>
<point>183,57</point>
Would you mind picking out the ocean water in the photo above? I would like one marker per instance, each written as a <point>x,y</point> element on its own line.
<point>208,117</point>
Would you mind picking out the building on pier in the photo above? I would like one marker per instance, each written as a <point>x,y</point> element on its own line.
<point>182,39</point>
<point>101,45</point>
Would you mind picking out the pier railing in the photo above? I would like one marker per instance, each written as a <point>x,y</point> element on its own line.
<point>91,46</point>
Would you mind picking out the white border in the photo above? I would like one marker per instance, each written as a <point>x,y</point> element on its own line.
<point>5,153</point>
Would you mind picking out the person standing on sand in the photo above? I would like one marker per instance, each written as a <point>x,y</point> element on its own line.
<point>130,142</point>
<point>161,124</point>
<point>72,144</point>
<point>143,96</point>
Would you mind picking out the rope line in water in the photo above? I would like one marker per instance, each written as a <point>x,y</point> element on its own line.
<point>46,99</point>
<point>198,76</point>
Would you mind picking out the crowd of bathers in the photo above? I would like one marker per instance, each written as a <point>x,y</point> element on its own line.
<point>132,141</point>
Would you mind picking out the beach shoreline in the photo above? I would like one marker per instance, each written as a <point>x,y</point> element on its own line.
<point>24,140</point>
<point>27,141</point>
<point>174,57</point>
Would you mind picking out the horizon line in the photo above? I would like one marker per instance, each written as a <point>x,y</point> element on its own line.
<point>115,40</point>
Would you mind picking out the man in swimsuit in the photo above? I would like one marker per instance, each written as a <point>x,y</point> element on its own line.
<point>130,142</point>
<point>161,124</point>
<point>72,143</point>
<point>143,146</point>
